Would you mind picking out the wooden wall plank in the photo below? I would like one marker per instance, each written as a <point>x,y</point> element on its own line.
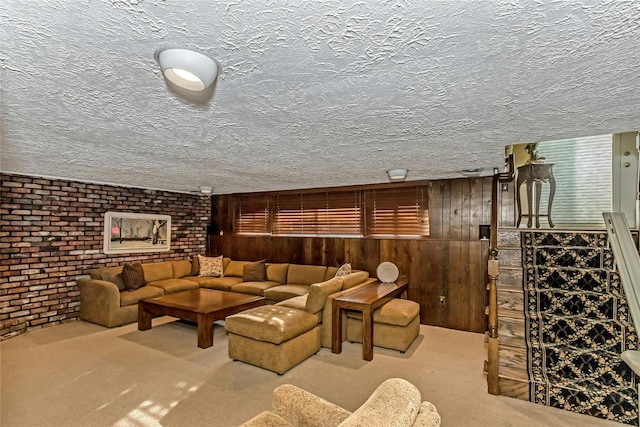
<point>457,190</point>
<point>435,210</point>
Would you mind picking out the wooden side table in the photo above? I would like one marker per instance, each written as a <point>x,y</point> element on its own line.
<point>535,173</point>
<point>365,299</point>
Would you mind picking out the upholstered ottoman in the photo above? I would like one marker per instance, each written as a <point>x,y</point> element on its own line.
<point>395,325</point>
<point>273,337</point>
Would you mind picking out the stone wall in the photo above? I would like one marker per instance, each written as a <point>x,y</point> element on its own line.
<point>51,233</point>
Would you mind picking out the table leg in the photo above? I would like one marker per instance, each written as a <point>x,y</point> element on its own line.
<point>552,193</point>
<point>538,197</point>
<point>205,330</point>
<point>530,202</point>
<point>367,333</point>
<point>518,202</point>
<point>144,318</point>
<point>336,328</point>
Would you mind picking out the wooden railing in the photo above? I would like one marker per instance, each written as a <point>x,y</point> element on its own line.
<point>628,263</point>
<point>493,385</point>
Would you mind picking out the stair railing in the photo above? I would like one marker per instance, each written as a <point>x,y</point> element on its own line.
<point>493,385</point>
<point>628,263</point>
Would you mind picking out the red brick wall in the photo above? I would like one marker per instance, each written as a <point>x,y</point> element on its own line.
<point>51,234</point>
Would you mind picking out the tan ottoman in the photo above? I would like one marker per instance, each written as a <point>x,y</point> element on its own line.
<point>395,325</point>
<point>273,337</point>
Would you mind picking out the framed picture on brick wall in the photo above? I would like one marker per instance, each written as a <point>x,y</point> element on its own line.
<point>126,232</point>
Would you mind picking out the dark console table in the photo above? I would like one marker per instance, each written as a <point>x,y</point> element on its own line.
<point>535,173</point>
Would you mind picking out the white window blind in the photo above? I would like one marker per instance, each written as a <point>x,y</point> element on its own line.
<point>583,172</point>
<point>321,213</point>
<point>398,211</point>
<point>252,215</point>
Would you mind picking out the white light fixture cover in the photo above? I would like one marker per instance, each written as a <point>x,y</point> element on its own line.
<point>471,172</point>
<point>206,189</point>
<point>186,68</point>
<point>397,175</point>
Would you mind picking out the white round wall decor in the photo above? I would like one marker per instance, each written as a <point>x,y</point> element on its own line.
<point>387,272</point>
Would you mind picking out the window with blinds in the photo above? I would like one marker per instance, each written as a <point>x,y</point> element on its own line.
<point>401,211</point>
<point>252,214</point>
<point>321,213</point>
<point>582,168</point>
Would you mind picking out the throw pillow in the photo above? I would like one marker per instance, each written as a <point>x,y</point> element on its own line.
<point>195,266</point>
<point>133,276</point>
<point>344,270</point>
<point>254,271</point>
<point>211,266</point>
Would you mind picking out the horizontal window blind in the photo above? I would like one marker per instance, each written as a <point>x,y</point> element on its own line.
<point>401,211</point>
<point>252,214</point>
<point>322,213</point>
<point>582,168</point>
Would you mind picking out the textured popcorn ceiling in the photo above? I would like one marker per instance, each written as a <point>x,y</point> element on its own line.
<point>311,93</point>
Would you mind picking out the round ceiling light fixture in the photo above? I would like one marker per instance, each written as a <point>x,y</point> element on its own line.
<point>205,189</point>
<point>186,68</point>
<point>397,175</point>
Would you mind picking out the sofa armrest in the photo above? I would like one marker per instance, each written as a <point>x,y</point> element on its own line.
<point>428,416</point>
<point>302,408</point>
<point>98,299</point>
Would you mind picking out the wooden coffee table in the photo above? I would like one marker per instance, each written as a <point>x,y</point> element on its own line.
<point>203,306</point>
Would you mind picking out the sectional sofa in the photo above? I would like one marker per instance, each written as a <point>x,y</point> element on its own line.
<point>104,300</point>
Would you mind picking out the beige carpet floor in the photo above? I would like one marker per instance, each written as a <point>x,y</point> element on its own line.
<point>81,374</point>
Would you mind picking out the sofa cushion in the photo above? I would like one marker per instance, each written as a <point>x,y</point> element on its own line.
<point>282,292</point>
<point>235,268</point>
<point>133,276</point>
<point>296,302</point>
<point>254,271</point>
<point>331,273</point>
<point>157,271</point>
<point>96,273</point>
<point>219,283</point>
<point>113,275</point>
<point>270,323</point>
<point>171,286</point>
<point>181,268</point>
<point>277,273</point>
<point>397,312</point>
<point>195,266</point>
<point>211,266</point>
<point>318,293</point>
<point>299,303</point>
<point>145,292</point>
<point>267,418</point>
<point>355,278</point>
<point>305,274</point>
<point>253,288</point>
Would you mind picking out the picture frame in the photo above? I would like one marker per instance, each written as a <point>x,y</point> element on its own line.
<point>126,232</point>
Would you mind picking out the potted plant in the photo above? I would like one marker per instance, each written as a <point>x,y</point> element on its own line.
<point>532,150</point>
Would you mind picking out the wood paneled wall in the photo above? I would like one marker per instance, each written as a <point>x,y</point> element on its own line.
<point>451,263</point>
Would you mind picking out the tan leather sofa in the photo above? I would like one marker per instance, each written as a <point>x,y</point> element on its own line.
<point>104,301</point>
<point>395,402</point>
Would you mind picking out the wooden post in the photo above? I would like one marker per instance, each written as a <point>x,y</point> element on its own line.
<point>493,359</point>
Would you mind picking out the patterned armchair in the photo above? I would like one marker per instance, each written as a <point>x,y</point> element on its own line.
<point>395,402</point>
